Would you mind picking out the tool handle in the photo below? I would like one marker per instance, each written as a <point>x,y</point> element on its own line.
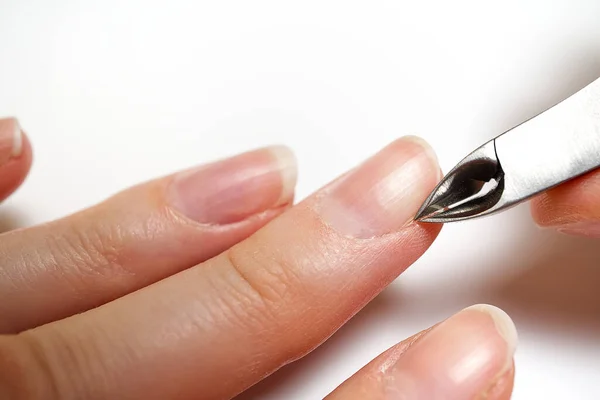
<point>558,145</point>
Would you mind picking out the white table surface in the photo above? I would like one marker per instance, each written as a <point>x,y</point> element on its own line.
<point>116,92</point>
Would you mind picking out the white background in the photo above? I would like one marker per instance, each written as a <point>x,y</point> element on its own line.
<point>116,92</point>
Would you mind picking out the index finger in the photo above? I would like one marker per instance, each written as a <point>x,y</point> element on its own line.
<point>216,329</point>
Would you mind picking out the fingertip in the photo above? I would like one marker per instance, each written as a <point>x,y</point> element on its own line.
<point>424,145</point>
<point>571,208</point>
<point>505,327</point>
<point>384,193</point>
<point>469,355</point>
<point>25,152</point>
<point>232,190</point>
<point>16,166</point>
<point>502,388</point>
<point>536,206</point>
<point>288,167</point>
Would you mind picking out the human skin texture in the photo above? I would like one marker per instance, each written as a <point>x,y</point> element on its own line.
<point>201,283</point>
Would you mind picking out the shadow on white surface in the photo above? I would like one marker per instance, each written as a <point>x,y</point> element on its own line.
<point>557,286</point>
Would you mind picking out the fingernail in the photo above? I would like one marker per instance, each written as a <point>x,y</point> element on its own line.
<point>583,228</point>
<point>11,139</point>
<point>463,357</point>
<point>234,189</point>
<point>384,193</point>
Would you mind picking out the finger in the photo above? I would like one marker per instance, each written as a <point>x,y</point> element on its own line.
<point>468,356</point>
<point>139,236</point>
<point>572,208</point>
<point>15,156</point>
<point>213,330</point>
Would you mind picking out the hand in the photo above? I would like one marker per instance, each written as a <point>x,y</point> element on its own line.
<point>200,284</point>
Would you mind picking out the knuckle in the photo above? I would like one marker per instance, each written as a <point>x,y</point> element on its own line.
<point>24,370</point>
<point>65,365</point>
<point>271,276</point>
<point>88,250</point>
<point>263,286</point>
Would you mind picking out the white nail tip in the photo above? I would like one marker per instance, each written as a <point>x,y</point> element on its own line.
<point>504,324</point>
<point>425,145</point>
<point>289,175</point>
<point>17,147</point>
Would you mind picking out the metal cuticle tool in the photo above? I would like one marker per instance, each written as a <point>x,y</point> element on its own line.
<point>556,146</point>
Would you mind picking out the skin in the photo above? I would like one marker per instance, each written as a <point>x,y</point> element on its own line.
<point>201,283</point>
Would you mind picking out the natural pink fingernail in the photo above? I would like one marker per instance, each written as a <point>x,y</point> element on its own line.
<point>385,192</point>
<point>462,358</point>
<point>234,189</point>
<point>11,139</point>
<point>583,228</point>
